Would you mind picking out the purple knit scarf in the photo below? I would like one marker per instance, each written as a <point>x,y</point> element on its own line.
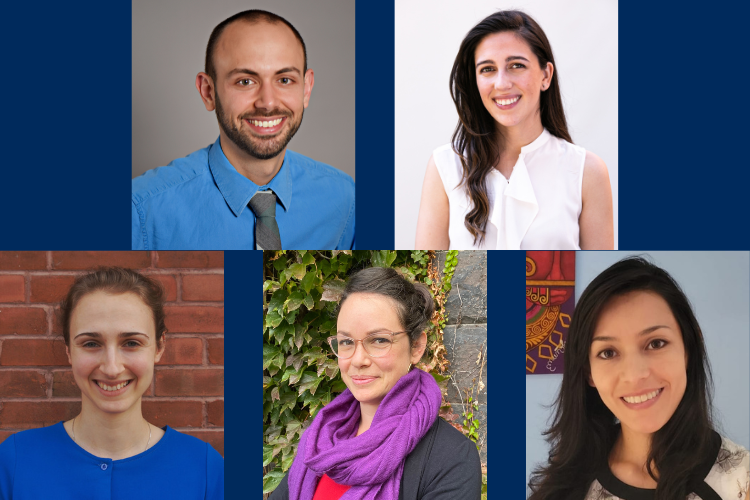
<point>373,462</point>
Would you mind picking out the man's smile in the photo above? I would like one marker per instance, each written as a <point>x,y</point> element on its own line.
<point>265,126</point>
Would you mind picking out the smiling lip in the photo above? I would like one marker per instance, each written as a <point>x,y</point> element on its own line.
<point>362,380</point>
<point>645,404</point>
<point>505,98</point>
<point>266,126</point>
<point>112,384</point>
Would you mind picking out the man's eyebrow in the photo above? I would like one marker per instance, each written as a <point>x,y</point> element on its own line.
<point>245,71</point>
<point>640,334</point>
<point>507,59</point>
<point>120,335</point>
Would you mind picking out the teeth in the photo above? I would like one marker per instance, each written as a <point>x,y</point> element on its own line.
<point>112,388</point>
<point>505,102</point>
<point>266,124</point>
<point>642,397</point>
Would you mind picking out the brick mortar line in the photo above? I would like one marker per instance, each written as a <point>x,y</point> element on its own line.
<point>23,304</point>
<point>178,285</point>
<point>27,288</point>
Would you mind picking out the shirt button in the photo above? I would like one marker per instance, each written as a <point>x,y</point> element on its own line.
<point>104,466</point>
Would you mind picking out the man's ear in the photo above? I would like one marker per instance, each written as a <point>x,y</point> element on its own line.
<point>309,82</point>
<point>206,89</point>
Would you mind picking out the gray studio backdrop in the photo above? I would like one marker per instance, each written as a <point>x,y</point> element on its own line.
<point>583,35</point>
<point>718,286</point>
<point>169,46</point>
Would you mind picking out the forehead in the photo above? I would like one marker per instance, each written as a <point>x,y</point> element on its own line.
<point>260,47</point>
<point>624,317</point>
<point>364,313</point>
<point>498,46</point>
<point>101,312</point>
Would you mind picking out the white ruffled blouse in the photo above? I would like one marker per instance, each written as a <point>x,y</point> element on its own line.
<point>536,209</point>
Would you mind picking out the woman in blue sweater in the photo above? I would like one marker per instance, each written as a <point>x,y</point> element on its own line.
<point>113,327</point>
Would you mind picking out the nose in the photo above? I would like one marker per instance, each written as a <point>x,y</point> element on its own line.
<point>502,81</point>
<point>360,357</point>
<point>266,97</point>
<point>111,364</point>
<point>635,368</point>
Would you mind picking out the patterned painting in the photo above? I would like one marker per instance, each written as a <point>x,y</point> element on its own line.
<point>550,300</point>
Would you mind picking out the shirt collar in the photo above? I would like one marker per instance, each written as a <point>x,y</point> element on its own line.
<point>537,143</point>
<point>238,189</point>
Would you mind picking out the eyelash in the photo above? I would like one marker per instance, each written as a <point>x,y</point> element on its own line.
<point>512,66</point>
<point>662,346</point>
<point>239,82</point>
<point>91,344</point>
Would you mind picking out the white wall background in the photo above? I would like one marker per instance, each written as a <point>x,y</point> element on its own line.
<point>583,35</point>
<point>169,49</point>
<point>717,284</point>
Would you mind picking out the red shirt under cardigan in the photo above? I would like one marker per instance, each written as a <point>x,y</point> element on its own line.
<point>328,489</point>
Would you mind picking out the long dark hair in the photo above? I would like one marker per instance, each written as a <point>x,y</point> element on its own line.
<point>474,140</point>
<point>583,430</point>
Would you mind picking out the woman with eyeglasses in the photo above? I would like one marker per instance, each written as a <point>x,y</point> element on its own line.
<point>382,437</point>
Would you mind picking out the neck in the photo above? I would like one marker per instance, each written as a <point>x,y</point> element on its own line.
<point>512,139</point>
<point>632,448</point>
<point>108,435</point>
<point>261,172</point>
<point>366,414</point>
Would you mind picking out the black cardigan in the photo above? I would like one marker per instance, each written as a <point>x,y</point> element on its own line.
<point>444,466</point>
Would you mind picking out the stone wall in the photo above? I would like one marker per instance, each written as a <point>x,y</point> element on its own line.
<point>465,335</point>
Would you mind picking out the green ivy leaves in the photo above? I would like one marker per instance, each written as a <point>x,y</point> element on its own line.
<point>301,374</point>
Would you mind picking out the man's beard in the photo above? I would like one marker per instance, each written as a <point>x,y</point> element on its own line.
<point>257,147</point>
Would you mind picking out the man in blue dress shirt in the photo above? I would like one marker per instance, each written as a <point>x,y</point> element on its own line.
<point>257,80</point>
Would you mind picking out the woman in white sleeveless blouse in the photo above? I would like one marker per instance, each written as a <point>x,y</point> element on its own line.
<point>519,182</point>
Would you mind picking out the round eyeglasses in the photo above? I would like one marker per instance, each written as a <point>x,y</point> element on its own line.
<point>376,344</point>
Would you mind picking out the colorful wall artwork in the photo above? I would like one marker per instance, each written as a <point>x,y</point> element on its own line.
<point>550,300</point>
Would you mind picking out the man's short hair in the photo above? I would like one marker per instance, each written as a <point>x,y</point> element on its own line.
<point>250,16</point>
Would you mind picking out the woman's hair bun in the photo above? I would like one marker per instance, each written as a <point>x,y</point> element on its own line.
<point>414,303</point>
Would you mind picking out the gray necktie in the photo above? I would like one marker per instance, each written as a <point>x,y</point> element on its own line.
<point>263,205</point>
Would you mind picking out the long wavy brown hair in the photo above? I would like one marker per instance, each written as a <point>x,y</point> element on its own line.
<point>474,140</point>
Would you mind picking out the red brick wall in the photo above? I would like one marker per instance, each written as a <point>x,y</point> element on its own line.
<point>36,384</point>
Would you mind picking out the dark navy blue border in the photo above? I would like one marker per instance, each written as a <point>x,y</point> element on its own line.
<point>504,375</point>
<point>66,127</point>
<point>375,126</point>
<point>243,318</point>
<point>684,172</point>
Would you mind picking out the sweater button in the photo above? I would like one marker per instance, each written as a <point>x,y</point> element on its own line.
<point>104,466</point>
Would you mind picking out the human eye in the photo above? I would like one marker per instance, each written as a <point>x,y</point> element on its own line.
<point>657,344</point>
<point>285,80</point>
<point>345,342</point>
<point>132,343</point>
<point>89,344</point>
<point>517,66</point>
<point>244,82</point>
<point>606,354</point>
<point>381,340</point>
<point>486,69</point>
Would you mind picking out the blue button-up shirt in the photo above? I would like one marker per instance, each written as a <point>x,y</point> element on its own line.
<point>200,202</point>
